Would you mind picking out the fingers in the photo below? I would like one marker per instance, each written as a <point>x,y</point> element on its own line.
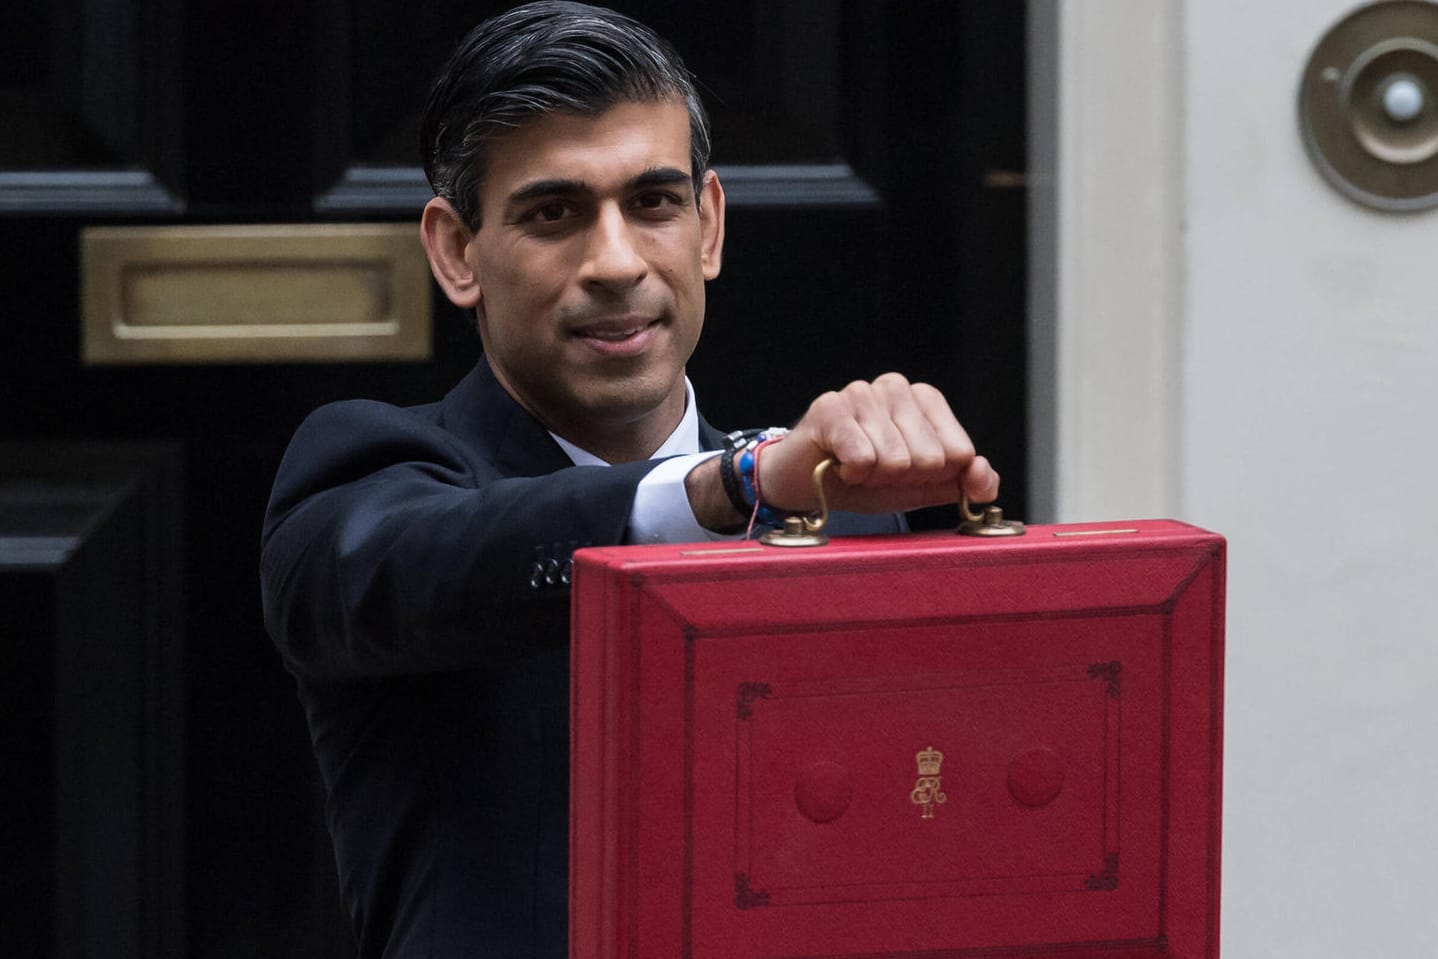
<point>981,481</point>
<point>893,432</point>
<point>898,446</point>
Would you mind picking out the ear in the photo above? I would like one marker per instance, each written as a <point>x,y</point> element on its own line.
<point>446,240</point>
<point>711,225</point>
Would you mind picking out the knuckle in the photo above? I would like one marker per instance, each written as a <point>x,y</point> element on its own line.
<point>891,384</point>
<point>825,402</point>
<point>927,393</point>
<point>928,460</point>
<point>895,459</point>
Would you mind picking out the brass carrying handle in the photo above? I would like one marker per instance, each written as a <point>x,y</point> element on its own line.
<point>816,521</point>
<point>809,530</point>
<point>966,513</point>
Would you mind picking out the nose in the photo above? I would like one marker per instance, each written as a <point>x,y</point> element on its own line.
<point>611,258</point>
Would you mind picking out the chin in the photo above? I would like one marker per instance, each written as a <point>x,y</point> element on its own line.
<point>627,402</point>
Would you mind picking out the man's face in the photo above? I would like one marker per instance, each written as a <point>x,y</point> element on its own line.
<point>590,263</point>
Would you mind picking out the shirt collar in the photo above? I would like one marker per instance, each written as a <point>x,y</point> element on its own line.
<point>684,439</point>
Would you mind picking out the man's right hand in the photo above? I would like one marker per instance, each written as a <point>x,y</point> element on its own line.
<point>897,446</point>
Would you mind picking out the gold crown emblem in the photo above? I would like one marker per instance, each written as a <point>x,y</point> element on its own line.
<point>929,761</point>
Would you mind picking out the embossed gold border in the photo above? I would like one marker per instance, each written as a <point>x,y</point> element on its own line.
<point>254,294</point>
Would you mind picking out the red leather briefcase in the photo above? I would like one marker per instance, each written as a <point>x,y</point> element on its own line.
<point>921,746</point>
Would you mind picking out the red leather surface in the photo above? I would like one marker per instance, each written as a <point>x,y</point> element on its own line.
<point>748,724</point>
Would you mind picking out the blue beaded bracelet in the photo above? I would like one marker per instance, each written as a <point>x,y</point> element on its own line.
<point>746,463</point>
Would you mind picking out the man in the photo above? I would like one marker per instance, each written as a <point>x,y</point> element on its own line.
<point>413,561</point>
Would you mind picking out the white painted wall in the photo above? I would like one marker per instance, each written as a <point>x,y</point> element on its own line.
<point>1311,371</point>
<point>1306,363</point>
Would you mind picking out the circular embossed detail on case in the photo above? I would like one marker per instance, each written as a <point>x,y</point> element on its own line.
<point>1036,777</point>
<point>823,792</point>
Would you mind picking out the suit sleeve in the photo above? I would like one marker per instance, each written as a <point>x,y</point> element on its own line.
<point>388,549</point>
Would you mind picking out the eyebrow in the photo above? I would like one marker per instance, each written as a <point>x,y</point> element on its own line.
<point>558,186</point>
<point>660,176</point>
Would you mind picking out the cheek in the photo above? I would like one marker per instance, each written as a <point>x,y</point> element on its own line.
<point>540,282</point>
<point>681,268</point>
<point>513,291</point>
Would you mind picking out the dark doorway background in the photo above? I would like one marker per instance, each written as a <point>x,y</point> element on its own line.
<point>874,156</point>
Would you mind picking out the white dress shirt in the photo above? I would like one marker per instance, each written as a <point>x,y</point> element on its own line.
<point>661,512</point>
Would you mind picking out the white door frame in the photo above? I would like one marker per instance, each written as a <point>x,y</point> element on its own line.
<point>1106,258</point>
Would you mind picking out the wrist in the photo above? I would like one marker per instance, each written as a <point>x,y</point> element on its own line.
<point>708,500</point>
<point>784,476</point>
<point>762,508</point>
<point>738,484</point>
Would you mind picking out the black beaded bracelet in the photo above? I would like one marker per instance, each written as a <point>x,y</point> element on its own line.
<point>734,444</point>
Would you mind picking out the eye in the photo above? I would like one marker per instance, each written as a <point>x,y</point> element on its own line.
<point>658,201</point>
<point>550,213</point>
<point>549,217</point>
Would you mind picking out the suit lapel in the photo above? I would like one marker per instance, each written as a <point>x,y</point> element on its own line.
<point>486,418</point>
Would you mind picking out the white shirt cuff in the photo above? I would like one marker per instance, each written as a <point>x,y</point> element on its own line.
<point>662,513</point>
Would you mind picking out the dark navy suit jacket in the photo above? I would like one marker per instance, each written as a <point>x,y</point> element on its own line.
<point>403,577</point>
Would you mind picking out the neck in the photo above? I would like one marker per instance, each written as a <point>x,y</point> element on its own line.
<point>613,430</point>
<point>621,443</point>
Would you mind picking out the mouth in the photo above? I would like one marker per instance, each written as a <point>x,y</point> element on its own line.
<point>614,336</point>
<point>620,337</point>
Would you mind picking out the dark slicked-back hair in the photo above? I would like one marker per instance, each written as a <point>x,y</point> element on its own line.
<point>541,58</point>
